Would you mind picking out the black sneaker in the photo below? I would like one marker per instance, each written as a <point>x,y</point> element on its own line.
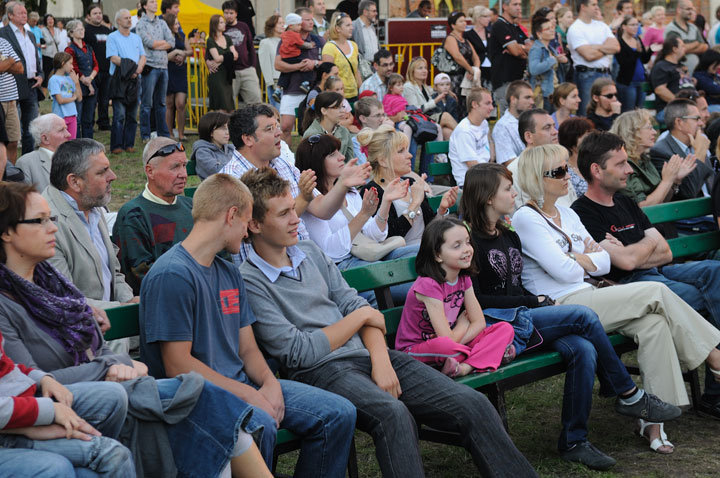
<point>586,454</point>
<point>709,405</point>
<point>277,94</point>
<point>650,408</point>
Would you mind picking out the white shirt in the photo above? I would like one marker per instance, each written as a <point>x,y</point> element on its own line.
<point>333,235</point>
<point>547,269</point>
<point>522,197</point>
<point>506,137</point>
<point>468,143</point>
<point>28,49</point>
<point>371,41</point>
<point>593,33</point>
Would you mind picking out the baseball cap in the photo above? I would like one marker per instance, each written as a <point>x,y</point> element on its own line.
<point>160,146</point>
<point>292,19</point>
<point>442,77</point>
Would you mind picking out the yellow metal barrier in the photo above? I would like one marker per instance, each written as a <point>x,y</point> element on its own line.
<point>197,73</point>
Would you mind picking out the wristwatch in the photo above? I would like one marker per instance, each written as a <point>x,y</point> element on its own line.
<point>411,214</point>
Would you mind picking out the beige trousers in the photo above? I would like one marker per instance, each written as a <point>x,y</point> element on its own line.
<point>247,84</point>
<point>671,336</point>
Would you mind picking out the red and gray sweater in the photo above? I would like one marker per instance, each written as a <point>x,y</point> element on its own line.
<point>18,405</point>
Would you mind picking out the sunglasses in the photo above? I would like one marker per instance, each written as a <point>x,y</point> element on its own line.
<point>610,95</point>
<point>168,150</point>
<point>558,173</point>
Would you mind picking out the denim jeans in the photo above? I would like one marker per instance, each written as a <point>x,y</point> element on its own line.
<point>124,125</point>
<point>154,88</point>
<point>325,421</point>
<point>29,110</point>
<point>86,116</point>
<point>103,405</point>
<point>428,397</point>
<point>631,96</point>
<point>697,283</point>
<point>575,332</point>
<point>270,99</point>
<point>584,81</point>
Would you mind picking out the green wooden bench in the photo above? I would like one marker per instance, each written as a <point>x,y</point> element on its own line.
<point>686,246</point>
<point>125,321</point>
<point>190,168</point>
<point>438,147</point>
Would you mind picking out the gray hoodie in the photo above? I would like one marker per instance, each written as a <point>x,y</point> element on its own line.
<point>209,158</point>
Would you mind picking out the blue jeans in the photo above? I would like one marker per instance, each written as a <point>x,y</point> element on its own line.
<point>631,96</point>
<point>325,421</point>
<point>697,284</point>
<point>575,332</point>
<point>124,125</point>
<point>86,116</point>
<point>428,397</point>
<point>103,405</point>
<point>584,81</point>
<point>154,87</point>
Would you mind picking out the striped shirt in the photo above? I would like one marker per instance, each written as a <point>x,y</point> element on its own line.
<point>8,86</point>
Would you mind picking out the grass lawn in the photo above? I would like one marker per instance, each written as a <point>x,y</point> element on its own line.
<point>533,411</point>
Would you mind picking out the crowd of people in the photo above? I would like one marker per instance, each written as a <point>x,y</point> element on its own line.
<point>552,152</point>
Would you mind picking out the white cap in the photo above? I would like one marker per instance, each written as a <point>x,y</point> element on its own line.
<point>292,19</point>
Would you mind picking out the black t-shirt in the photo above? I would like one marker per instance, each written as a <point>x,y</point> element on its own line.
<point>499,263</point>
<point>665,73</point>
<point>624,220</point>
<point>505,67</point>
<point>602,123</point>
<point>96,37</point>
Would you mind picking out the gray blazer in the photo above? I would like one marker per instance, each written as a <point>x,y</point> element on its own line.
<point>358,37</point>
<point>36,167</point>
<point>77,258</point>
<point>23,85</point>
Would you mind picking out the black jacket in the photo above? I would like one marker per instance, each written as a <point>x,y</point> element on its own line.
<point>398,225</point>
<point>627,58</point>
<point>23,85</point>
<point>122,85</point>
<point>691,186</point>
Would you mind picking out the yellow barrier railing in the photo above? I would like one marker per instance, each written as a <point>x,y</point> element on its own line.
<point>197,73</point>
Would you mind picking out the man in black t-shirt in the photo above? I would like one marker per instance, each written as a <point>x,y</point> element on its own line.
<point>508,47</point>
<point>96,36</point>
<point>637,250</point>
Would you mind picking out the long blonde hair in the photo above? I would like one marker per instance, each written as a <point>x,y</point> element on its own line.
<point>381,143</point>
<point>627,126</point>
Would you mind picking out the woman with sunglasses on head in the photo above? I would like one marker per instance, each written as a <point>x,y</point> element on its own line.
<point>559,253</point>
<point>47,325</point>
<point>325,116</point>
<point>604,106</point>
<point>365,213</point>
<point>342,51</point>
<point>574,331</point>
<point>631,58</point>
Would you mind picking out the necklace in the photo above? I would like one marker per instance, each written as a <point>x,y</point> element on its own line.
<point>548,215</point>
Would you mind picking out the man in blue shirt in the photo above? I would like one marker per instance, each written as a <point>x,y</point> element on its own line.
<point>195,317</point>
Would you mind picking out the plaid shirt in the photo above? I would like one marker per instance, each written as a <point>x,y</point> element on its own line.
<point>238,166</point>
<point>374,83</point>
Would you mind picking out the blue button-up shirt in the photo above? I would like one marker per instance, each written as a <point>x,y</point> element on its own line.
<point>295,254</point>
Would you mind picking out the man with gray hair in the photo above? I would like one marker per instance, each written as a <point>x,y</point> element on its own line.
<point>49,132</point>
<point>365,36</point>
<point>79,190</point>
<point>124,46</point>
<point>159,217</point>
<point>23,42</point>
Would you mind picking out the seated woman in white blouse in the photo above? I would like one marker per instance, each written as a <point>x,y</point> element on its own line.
<point>559,254</point>
<point>321,153</point>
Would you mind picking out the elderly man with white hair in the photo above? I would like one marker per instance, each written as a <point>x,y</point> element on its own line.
<point>48,131</point>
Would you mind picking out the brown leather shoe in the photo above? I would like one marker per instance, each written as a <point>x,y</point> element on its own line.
<point>130,150</point>
<point>117,151</point>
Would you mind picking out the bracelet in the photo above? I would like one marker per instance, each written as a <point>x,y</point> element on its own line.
<point>383,219</point>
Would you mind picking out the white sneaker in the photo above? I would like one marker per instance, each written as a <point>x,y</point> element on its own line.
<point>441,158</point>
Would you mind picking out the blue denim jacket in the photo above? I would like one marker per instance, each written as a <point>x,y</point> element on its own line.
<point>521,322</point>
<point>540,68</point>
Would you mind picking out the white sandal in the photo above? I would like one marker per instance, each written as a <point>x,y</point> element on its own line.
<point>657,442</point>
<point>716,373</point>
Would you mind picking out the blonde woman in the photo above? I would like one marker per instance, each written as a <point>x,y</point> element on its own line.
<point>653,35</point>
<point>558,253</point>
<point>417,93</point>
<point>342,51</point>
<point>478,38</point>
<point>646,185</point>
<point>387,152</point>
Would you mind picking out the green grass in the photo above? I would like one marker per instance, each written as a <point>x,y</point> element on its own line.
<point>533,411</point>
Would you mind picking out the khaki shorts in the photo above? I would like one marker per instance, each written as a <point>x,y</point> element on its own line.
<point>12,120</point>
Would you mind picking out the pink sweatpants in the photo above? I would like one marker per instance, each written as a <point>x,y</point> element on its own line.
<point>71,123</point>
<point>484,352</point>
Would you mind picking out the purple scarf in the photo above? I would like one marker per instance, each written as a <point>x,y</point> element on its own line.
<point>57,307</point>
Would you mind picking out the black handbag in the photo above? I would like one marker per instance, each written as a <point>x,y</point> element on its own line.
<point>424,129</point>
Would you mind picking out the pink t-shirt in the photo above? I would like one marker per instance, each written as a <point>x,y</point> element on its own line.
<point>415,326</point>
<point>653,36</point>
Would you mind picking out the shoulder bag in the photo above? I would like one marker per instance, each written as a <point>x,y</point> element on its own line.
<point>368,249</point>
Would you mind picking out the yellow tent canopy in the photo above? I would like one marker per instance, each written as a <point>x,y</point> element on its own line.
<point>194,14</point>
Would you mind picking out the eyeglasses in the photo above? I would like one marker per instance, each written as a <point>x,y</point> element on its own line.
<point>696,118</point>
<point>379,115</point>
<point>43,221</point>
<point>557,173</point>
<point>647,126</point>
<point>168,150</point>
<point>610,95</point>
